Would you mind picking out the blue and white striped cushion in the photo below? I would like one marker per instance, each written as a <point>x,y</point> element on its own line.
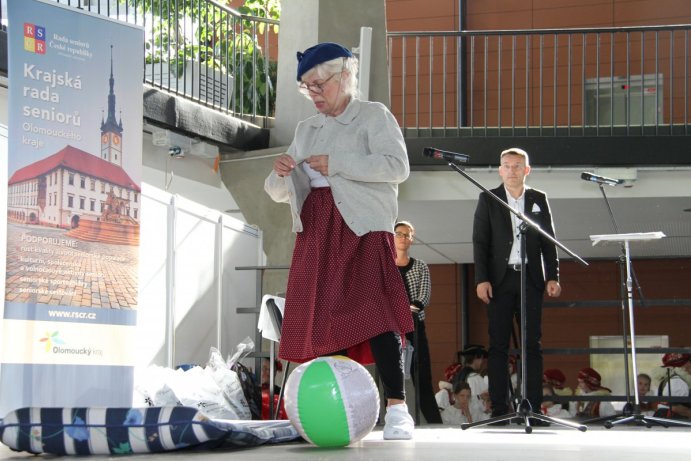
<point>115,431</point>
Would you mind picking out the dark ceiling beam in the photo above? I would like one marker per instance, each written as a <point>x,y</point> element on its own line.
<point>615,151</point>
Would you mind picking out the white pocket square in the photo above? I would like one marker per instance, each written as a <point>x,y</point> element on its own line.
<point>536,208</point>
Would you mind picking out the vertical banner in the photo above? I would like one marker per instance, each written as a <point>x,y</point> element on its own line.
<point>73,208</point>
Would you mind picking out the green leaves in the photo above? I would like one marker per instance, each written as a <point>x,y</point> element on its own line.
<point>220,39</point>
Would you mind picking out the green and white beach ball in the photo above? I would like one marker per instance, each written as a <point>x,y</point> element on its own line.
<point>332,401</point>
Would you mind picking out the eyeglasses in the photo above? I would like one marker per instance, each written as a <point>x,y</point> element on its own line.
<point>403,235</point>
<point>316,88</point>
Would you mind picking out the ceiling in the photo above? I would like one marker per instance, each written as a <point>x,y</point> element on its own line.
<point>440,204</point>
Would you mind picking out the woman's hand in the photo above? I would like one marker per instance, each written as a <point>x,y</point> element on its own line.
<point>284,165</point>
<point>319,163</point>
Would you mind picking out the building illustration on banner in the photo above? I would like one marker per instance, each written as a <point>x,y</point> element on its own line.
<point>72,189</point>
<point>74,216</point>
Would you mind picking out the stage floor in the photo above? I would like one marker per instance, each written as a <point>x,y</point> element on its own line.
<point>511,443</point>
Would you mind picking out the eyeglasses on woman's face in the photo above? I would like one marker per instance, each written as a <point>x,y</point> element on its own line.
<point>314,87</point>
<point>403,235</point>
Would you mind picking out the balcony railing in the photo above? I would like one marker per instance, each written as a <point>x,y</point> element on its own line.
<point>557,82</point>
<point>549,82</point>
<point>201,50</point>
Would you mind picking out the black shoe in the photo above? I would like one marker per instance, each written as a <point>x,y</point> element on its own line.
<point>499,423</point>
<point>497,414</point>
<point>538,422</point>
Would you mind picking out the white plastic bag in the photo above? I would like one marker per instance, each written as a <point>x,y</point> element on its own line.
<point>215,390</point>
<point>228,382</point>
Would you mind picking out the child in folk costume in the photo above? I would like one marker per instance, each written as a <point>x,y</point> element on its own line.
<point>589,384</point>
<point>462,410</point>
<point>675,386</point>
<point>551,408</point>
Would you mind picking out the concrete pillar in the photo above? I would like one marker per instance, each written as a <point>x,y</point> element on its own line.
<point>244,176</point>
<point>307,22</point>
<point>303,24</point>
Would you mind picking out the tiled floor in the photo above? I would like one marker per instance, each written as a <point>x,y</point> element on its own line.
<point>481,443</point>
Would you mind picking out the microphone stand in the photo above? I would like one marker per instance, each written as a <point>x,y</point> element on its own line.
<point>631,413</point>
<point>524,411</point>
<point>628,408</point>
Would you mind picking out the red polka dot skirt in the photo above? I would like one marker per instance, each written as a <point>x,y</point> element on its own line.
<point>342,289</point>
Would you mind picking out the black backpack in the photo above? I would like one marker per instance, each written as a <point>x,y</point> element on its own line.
<point>250,388</point>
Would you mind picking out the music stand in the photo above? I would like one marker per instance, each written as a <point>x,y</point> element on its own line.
<point>524,411</point>
<point>628,406</point>
<point>636,416</point>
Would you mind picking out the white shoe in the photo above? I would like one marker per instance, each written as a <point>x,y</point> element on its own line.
<point>398,424</point>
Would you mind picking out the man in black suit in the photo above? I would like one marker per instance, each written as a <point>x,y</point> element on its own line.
<point>496,250</point>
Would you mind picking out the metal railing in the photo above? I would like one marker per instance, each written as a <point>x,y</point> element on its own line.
<point>201,50</point>
<point>548,82</point>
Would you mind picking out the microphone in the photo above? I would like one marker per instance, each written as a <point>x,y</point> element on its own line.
<point>446,155</point>
<point>600,179</point>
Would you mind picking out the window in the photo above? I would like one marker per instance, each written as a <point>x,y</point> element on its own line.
<point>92,205</point>
<point>70,179</point>
<point>82,182</point>
<point>81,203</point>
<point>70,201</point>
<point>93,184</point>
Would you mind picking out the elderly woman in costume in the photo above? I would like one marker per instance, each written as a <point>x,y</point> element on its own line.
<point>340,176</point>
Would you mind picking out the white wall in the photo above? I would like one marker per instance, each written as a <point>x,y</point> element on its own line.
<point>188,279</point>
<point>191,176</point>
<point>307,22</point>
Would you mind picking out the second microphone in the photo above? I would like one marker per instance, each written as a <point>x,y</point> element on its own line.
<point>445,155</point>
